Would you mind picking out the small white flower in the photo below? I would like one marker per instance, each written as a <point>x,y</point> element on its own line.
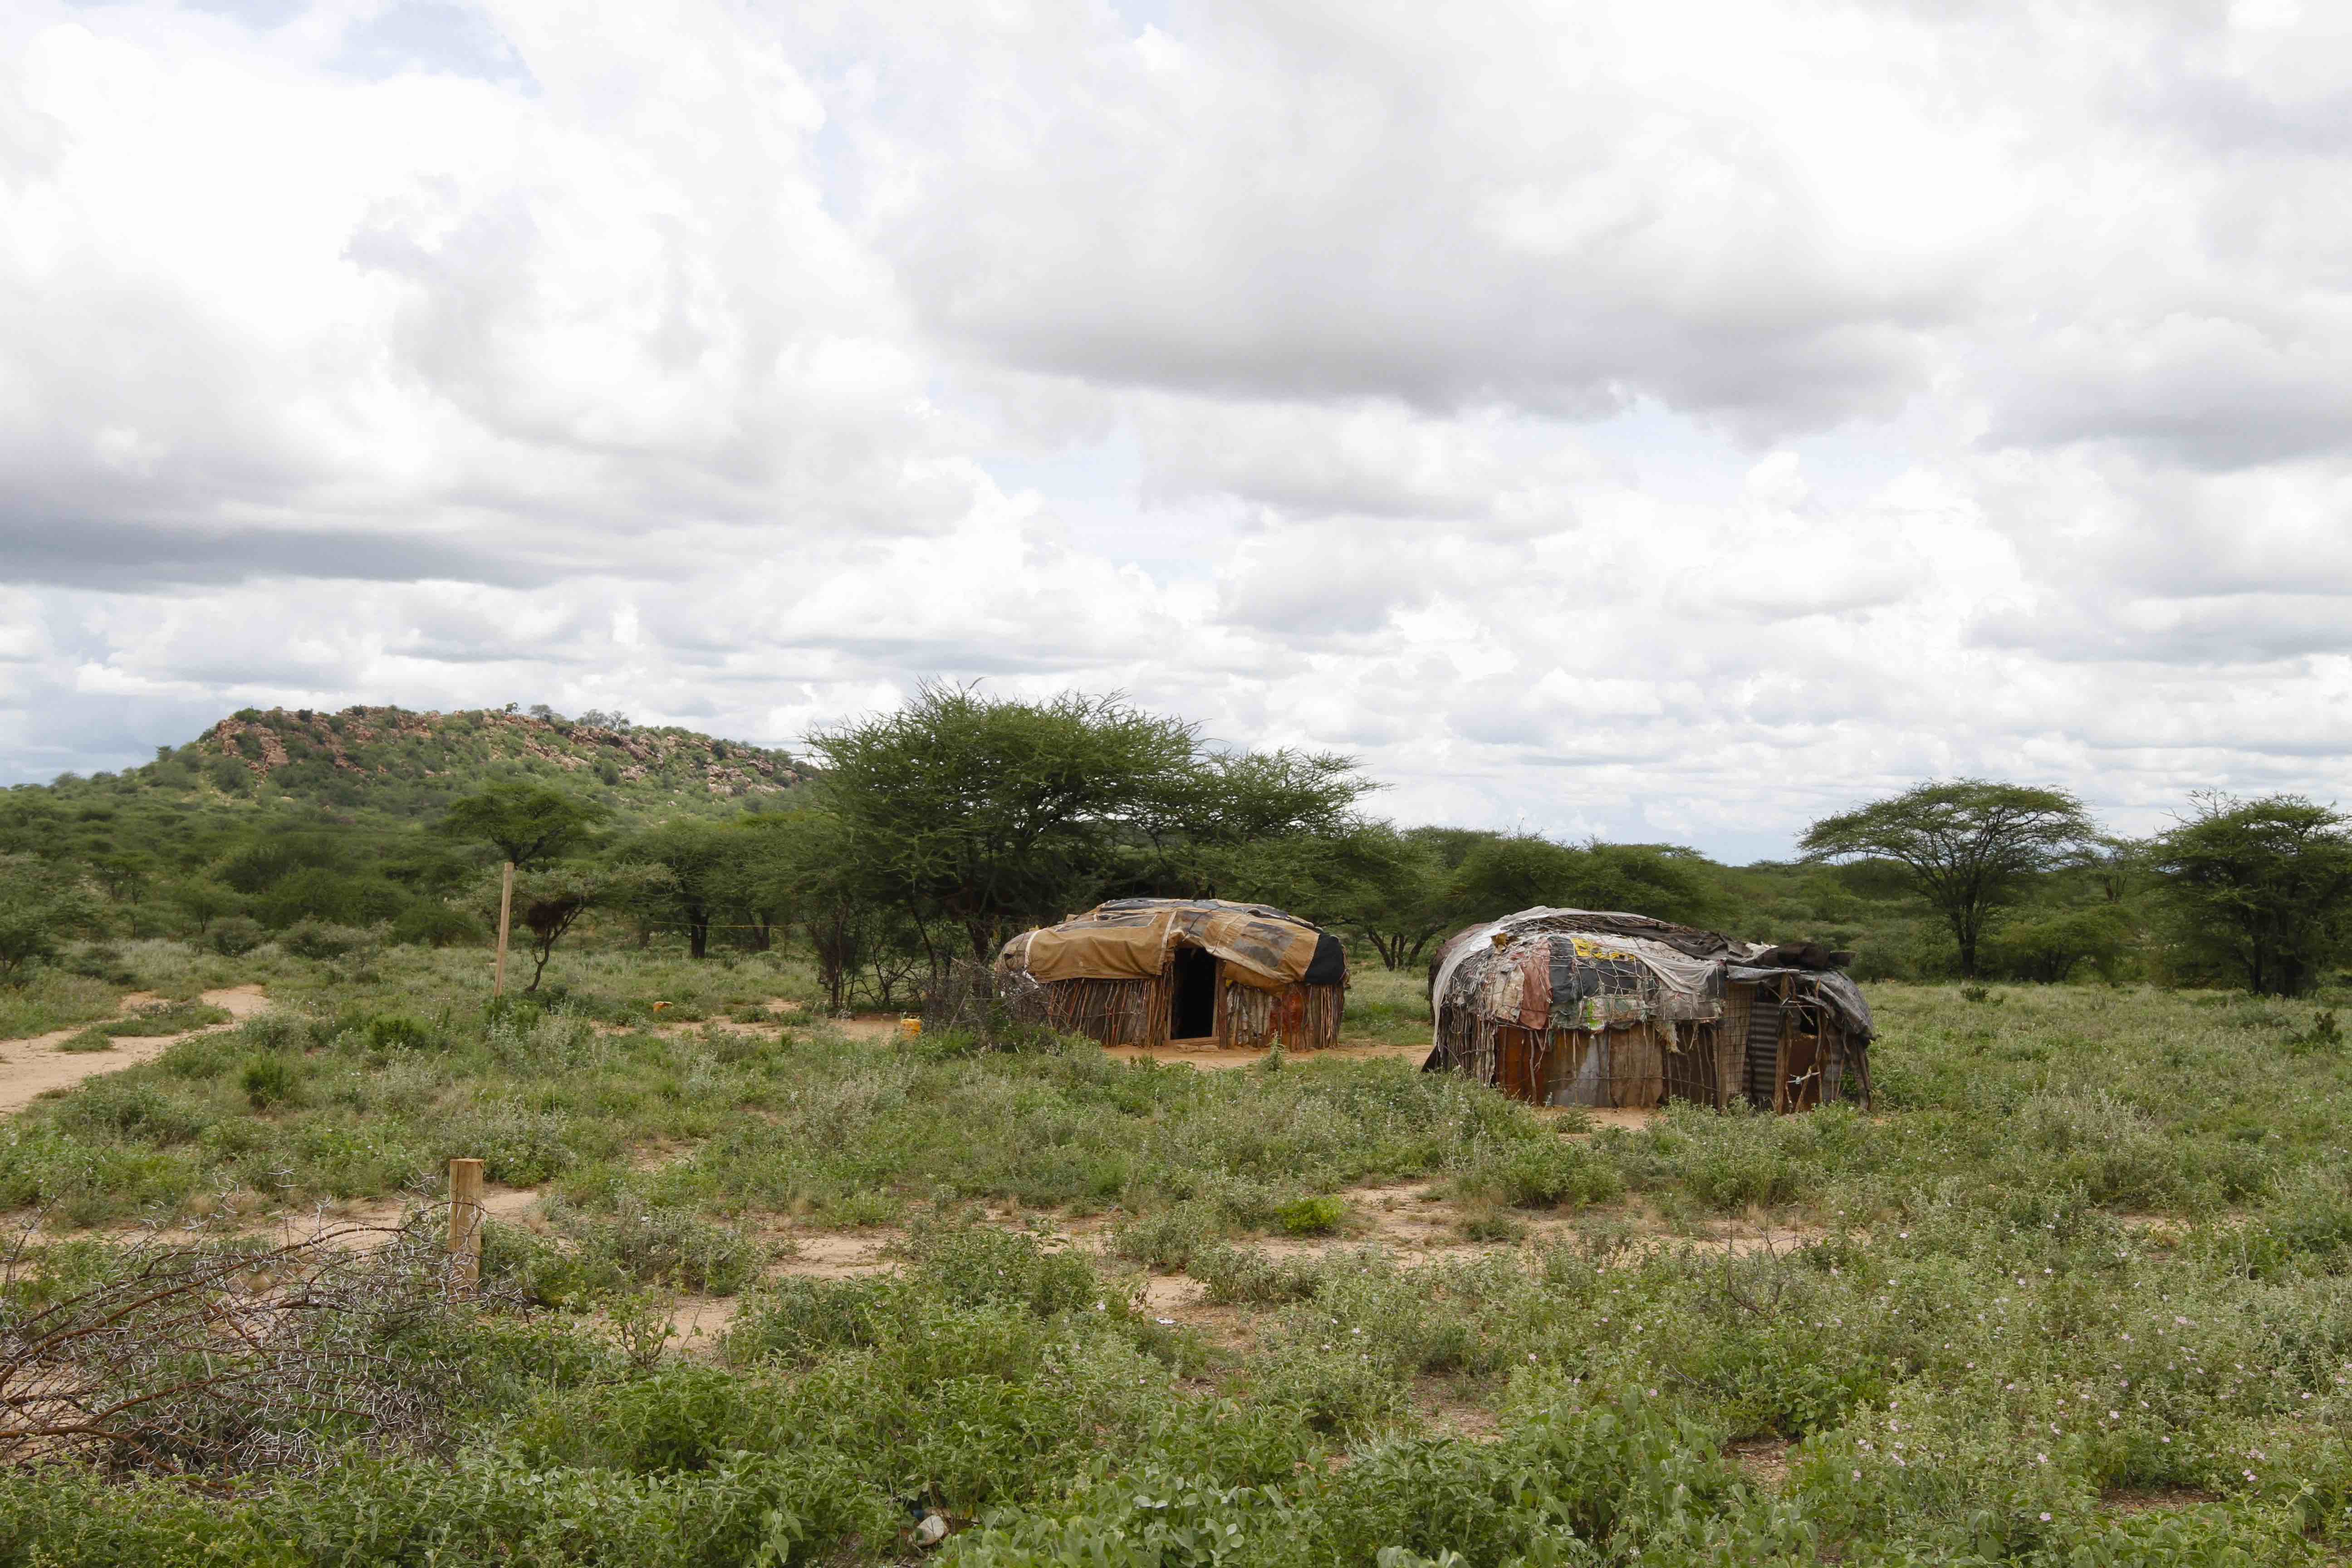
<point>2046,1519</point>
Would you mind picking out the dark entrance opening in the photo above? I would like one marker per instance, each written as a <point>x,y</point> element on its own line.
<point>1192,1005</point>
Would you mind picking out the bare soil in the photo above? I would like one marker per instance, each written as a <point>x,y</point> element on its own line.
<point>34,1067</point>
<point>1214,1060</point>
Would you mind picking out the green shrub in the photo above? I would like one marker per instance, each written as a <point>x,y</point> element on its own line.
<point>1312,1215</point>
<point>800,1320</point>
<point>1538,1173</point>
<point>969,1263</point>
<point>266,1081</point>
<point>640,1242</point>
<point>1335,1387</point>
<point>236,935</point>
<point>428,922</point>
<point>122,1106</point>
<point>88,1040</point>
<point>1246,1274</point>
<point>398,1032</point>
<point>1168,1238</point>
<point>317,939</point>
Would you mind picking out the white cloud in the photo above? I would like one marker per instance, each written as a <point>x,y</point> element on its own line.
<point>1665,418</point>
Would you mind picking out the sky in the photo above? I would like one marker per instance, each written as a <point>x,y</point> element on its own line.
<point>1667,420</point>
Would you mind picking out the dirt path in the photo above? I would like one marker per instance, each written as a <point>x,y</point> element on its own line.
<point>1214,1060</point>
<point>32,1068</point>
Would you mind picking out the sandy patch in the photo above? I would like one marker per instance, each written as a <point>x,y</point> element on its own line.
<point>834,1255</point>
<point>1763,1460</point>
<point>1602,1117</point>
<point>698,1322</point>
<point>1214,1060</point>
<point>1178,1301</point>
<point>32,1068</point>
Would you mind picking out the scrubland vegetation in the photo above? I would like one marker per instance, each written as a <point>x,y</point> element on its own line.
<point>2091,1263</point>
<point>766,1282</point>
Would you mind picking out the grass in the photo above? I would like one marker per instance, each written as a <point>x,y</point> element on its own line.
<point>53,999</point>
<point>2078,1291</point>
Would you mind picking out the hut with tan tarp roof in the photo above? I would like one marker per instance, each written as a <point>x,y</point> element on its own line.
<point>1196,972</point>
<point>1591,1007</point>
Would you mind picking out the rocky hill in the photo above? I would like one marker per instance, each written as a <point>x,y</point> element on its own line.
<point>388,757</point>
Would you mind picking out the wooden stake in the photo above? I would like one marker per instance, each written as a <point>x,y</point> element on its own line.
<point>465,1225</point>
<point>506,918</point>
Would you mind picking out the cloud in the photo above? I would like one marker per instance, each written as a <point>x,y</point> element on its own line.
<point>1668,419</point>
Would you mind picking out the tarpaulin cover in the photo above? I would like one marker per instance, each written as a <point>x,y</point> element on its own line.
<point>1130,939</point>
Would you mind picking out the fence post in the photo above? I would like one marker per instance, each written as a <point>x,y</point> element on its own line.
<point>506,913</point>
<point>465,1225</point>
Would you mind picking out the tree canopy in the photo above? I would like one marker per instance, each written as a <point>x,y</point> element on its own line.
<point>1968,844</point>
<point>531,824</point>
<point>986,813</point>
<point>2266,885</point>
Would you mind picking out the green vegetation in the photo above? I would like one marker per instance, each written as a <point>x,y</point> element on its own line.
<point>2076,1294</point>
<point>1969,847</point>
<point>2088,1263</point>
<point>934,832</point>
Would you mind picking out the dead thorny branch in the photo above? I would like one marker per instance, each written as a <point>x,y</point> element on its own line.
<point>222,1357</point>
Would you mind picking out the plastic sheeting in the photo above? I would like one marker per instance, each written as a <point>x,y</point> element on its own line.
<point>1130,939</point>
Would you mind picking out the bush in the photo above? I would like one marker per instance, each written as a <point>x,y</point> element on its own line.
<point>398,1032</point>
<point>1335,1388</point>
<point>430,923</point>
<point>317,939</point>
<point>971,1264</point>
<point>648,1245</point>
<point>1538,1174</point>
<point>1312,1217</point>
<point>233,936</point>
<point>88,1040</point>
<point>1167,1238</point>
<point>1246,1274</point>
<point>266,1082</point>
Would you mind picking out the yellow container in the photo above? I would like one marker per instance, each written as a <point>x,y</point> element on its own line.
<point>910,1028</point>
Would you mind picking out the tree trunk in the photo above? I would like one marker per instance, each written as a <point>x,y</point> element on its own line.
<point>697,937</point>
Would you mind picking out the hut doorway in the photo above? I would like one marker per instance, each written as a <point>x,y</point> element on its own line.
<point>1192,995</point>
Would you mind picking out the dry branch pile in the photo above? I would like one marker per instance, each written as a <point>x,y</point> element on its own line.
<point>223,1358</point>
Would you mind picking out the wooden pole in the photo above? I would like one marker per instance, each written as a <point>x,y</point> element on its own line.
<point>506,919</point>
<point>465,1225</point>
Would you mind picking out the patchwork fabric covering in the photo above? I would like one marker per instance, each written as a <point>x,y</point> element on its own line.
<point>1591,1008</point>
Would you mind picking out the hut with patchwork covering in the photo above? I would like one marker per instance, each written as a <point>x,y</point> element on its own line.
<point>1599,1008</point>
<point>1188,972</point>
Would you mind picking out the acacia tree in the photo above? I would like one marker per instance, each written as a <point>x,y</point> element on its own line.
<point>530,824</point>
<point>698,863</point>
<point>1969,845</point>
<point>2266,885</point>
<point>985,813</point>
<point>39,904</point>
